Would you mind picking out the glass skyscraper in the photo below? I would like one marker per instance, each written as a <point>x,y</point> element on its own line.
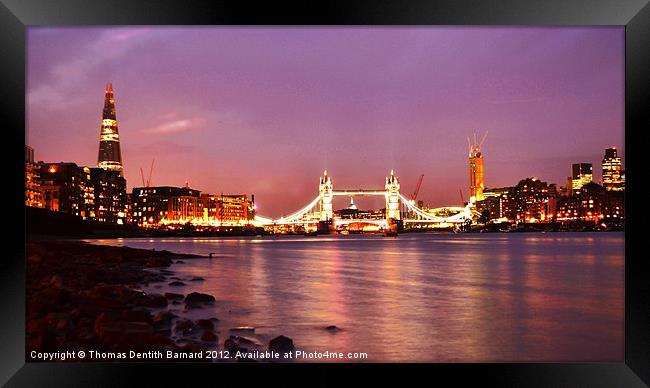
<point>110,157</point>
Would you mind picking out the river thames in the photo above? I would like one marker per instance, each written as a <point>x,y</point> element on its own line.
<point>517,297</point>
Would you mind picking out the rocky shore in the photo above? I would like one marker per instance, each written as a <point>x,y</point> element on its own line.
<point>87,297</point>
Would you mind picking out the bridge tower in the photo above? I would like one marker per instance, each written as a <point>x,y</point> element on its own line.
<point>392,196</point>
<point>325,188</point>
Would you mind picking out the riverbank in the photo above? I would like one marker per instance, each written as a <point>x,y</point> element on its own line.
<point>45,222</point>
<point>88,297</point>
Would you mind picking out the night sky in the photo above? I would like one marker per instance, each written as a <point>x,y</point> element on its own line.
<point>265,110</point>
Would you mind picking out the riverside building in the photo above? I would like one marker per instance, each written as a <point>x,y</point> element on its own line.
<point>169,206</point>
<point>67,188</point>
<point>33,193</point>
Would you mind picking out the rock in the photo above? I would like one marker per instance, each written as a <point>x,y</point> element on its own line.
<point>162,322</point>
<point>157,262</point>
<point>197,297</point>
<point>45,341</point>
<point>53,318</point>
<point>176,283</point>
<point>281,344</point>
<point>35,326</point>
<point>180,262</point>
<point>185,326</point>
<point>137,315</point>
<point>174,296</point>
<point>62,325</point>
<point>205,324</point>
<point>162,327</point>
<point>156,301</point>
<point>56,281</point>
<point>85,322</point>
<point>137,328</point>
<point>164,316</point>
<point>232,345</point>
<point>243,344</point>
<point>209,336</point>
<point>197,279</point>
<point>247,329</point>
<point>55,296</point>
<point>101,320</point>
<point>332,329</point>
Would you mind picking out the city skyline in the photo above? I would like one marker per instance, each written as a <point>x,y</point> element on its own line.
<point>277,118</point>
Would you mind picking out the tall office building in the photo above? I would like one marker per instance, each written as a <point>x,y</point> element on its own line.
<point>613,176</point>
<point>582,173</point>
<point>476,175</point>
<point>110,196</point>
<point>33,194</point>
<point>110,157</point>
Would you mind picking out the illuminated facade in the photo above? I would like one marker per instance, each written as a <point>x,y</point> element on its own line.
<point>33,193</point>
<point>165,205</point>
<point>493,201</point>
<point>476,174</point>
<point>392,197</point>
<point>110,157</point>
<point>150,205</point>
<point>234,210</point>
<point>67,188</point>
<point>613,176</point>
<point>592,202</point>
<point>325,188</point>
<point>184,208</point>
<point>531,200</point>
<point>110,196</point>
<point>582,173</point>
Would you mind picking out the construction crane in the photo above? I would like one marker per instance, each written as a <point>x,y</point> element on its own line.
<point>462,199</point>
<point>414,196</point>
<point>148,182</point>
<point>476,145</point>
<point>150,171</point>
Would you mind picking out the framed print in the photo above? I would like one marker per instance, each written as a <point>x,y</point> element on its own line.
<point>386,189</point>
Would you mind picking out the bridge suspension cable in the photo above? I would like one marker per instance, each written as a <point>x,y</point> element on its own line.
<point>460,217</point>
<point>291,217</point>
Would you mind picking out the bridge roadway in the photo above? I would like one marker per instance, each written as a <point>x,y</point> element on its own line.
<point>358,192</point>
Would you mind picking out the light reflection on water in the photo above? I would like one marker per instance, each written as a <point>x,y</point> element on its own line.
<point>419,297</point>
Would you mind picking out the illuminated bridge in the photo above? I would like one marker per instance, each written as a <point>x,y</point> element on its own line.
<point>320,209</point>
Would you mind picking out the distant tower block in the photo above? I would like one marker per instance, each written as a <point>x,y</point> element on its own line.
<point>476,174</point>
<point>110,157</point>
<point>613,175</point>
<point>392,196</point>
<point>325,187</point>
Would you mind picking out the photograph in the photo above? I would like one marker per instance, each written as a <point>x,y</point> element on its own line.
<point>325,194</point>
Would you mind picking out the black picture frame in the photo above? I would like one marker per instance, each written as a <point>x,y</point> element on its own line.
<point>17,15</point>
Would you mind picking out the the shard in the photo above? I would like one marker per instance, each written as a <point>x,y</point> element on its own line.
<point>110,157</point>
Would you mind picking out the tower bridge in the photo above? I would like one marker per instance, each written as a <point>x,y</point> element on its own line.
<point>320,211</point>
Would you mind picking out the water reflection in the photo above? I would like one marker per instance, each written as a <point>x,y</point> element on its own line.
<point>514,297</point>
